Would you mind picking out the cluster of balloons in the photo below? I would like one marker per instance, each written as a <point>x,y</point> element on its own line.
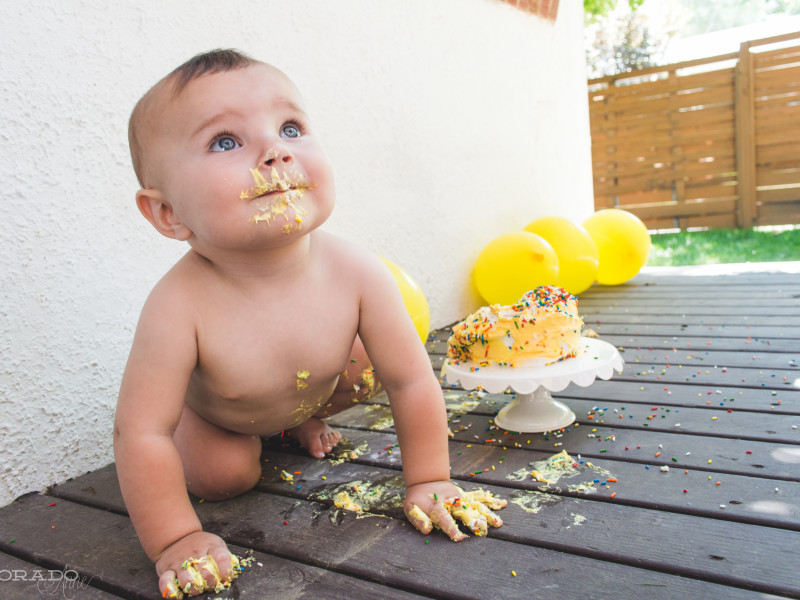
<point>610,247</point>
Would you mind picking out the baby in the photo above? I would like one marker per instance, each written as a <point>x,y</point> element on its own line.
<point>266,324</point>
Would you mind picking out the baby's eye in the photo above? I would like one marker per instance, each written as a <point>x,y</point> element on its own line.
<point>290,130</point>
<point>224,143</point>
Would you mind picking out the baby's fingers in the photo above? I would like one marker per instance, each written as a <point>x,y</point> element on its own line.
<point>228,566</point>
<point>442,519</point>
<point>169,585</point>
<point>207,569</point>
<point>420,520</point>
<point>491,518</point>
<point>472,518</point>
<point>195,582</point>
<point>486,498</point>
<point>197,575</point>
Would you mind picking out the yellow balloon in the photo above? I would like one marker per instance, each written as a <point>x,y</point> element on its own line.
<point>512,264</point>
<point>413,298</point>
<point>622,241</point>
<point>577,253</point>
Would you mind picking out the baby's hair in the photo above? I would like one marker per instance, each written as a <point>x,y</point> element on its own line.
<point>214,61</point>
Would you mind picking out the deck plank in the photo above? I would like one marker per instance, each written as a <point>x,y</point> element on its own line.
<point>679,412</point>
<point>656,446</point>
<point>768,331</point>
<point>783,402</point>
<point>758,415</point>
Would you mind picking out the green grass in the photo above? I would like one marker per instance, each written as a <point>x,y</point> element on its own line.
<point>722,246</point>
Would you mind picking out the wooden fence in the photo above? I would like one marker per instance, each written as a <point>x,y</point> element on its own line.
<point>705,143</point>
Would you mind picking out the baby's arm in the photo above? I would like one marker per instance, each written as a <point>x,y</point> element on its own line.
<point>151,399</point>
<point>404,369</point>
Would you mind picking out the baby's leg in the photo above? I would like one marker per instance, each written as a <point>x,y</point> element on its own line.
<point>356,384</point>
<point>217,463</point>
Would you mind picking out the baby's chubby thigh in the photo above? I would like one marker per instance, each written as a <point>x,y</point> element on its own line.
<point>217,463</point>
<point>356,384</point>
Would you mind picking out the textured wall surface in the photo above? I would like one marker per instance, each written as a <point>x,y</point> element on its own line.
<point>448,122</point>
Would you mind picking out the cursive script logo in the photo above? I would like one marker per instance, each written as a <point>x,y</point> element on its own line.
<point>67,582</point>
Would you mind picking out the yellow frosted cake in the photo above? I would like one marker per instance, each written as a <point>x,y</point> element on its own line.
<point>541,328</point>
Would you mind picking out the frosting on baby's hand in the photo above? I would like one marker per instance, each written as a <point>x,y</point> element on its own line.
<point>195,567</point>
<point>473,509</point>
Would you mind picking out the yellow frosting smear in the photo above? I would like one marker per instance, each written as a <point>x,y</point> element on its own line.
<point>419,518</point>
<point>290,189</point>
<point>302,377</point>
<point>542,326</point>
<point>368,499</point>
<point>345,501</point>
<point>473,511</point>
<point>195,567</point>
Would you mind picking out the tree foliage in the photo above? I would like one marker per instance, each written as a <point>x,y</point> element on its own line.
<point>595,9</point>
<point>625,35</point>
<point>621,44</point>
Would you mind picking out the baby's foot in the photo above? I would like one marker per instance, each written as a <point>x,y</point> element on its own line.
<point>315,436</point>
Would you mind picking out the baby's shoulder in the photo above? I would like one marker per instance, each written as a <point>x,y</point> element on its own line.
<point>344,255</point>
<point>175,290</point>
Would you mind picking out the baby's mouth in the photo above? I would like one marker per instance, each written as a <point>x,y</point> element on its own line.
<point>263,187</point>
<point>280,193</point>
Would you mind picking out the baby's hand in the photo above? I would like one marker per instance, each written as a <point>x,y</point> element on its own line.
<point>197,563</point>
<point>435,504</point>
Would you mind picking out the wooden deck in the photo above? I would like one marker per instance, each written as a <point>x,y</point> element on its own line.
<point>710,390</point>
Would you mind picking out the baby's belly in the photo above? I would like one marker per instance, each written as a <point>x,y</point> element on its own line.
<point>261,414</point>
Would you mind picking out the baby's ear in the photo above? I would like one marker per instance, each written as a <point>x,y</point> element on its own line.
<point>158,211</point>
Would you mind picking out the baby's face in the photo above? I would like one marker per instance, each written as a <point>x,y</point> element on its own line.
<point>234,155</point>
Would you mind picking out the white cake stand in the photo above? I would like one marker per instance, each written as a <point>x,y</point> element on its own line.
<point>534,410</point>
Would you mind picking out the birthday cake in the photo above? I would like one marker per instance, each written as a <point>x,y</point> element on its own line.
<point>543,327</point>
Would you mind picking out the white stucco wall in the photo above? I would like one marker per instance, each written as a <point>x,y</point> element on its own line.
<point>448,122</point>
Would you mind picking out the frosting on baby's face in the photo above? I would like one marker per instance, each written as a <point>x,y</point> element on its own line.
<point>280,193</point>
<point>232,149</point>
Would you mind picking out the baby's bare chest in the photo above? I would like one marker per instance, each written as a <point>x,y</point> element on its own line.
<point>254,351</point>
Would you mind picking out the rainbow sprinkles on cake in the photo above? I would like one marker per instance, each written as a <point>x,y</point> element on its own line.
<point>541,328</point>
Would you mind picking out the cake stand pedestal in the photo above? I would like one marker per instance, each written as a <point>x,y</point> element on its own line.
<point>534,410</point>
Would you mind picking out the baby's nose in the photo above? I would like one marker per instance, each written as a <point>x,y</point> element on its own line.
<point>277,155</point>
